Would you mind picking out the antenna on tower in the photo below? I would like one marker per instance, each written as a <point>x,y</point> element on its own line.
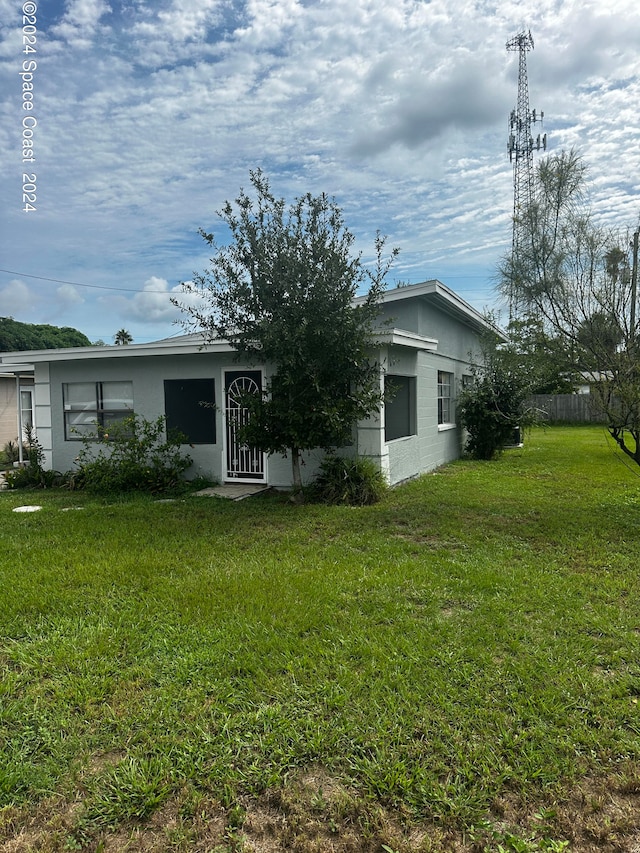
<point>520,147</point>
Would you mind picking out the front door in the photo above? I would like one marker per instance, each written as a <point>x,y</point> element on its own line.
<point>243,463</point>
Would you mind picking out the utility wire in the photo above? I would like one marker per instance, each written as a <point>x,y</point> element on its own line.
<point>133,290</point>
<point>80,284</point>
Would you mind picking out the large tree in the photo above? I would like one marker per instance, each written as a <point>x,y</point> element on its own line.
<point>281,292</point>
<point>577,277</point>
<point>544,357</point>
<point>18,337</point>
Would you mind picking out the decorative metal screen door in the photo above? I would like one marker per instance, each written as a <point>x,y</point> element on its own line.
<point>243,462</point>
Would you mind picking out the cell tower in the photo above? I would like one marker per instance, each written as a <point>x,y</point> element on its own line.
<point>521,146</point>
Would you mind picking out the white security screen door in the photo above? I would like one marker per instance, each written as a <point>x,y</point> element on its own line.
<point>243,463</point>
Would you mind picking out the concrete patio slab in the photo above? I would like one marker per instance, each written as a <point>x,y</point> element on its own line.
<point>233,491</point>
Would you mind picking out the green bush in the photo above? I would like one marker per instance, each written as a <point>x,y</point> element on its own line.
<point>11,453</point>
<point>33,473</point>
<point>133,455</point>
<point>494,407</point>
<point>356,482</point>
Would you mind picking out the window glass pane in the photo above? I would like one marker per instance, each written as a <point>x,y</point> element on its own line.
<point>26,408</point>
<point>89,404</point>
<point>117,396</point>
<point>110,418</point>
<point>77,424</point>
<point>445,384</point>
<point>81,418</point>
<point>80,395</point>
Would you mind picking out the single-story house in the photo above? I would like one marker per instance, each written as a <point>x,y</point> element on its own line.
<point>429,337</point>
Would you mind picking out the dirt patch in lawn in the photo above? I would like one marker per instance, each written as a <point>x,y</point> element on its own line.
<point>316,812</point>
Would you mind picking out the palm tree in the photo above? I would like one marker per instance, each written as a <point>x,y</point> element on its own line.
<point>122,337</point>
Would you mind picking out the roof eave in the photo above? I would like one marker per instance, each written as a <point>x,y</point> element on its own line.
<point>447,300</point>
<point>171,346</point>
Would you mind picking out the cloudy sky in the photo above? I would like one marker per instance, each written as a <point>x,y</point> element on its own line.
<point>149,115</point>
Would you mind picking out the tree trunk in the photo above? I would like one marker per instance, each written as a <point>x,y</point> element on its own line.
<point>297,496</point>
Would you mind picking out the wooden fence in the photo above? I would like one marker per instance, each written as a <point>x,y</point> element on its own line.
<point>568,408</point>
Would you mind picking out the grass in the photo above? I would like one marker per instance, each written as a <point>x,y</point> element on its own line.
<point>455,668</point>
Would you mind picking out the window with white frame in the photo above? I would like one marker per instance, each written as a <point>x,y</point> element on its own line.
<point>445,397</point>
<point>26,410</point>
<point>90,407</point>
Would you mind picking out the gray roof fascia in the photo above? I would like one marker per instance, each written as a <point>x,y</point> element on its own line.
<point>172,346</point>
<point>10,371</point>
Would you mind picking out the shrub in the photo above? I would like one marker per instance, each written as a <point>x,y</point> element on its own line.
<point>11,453</point>
<point>33,474</point>
<point>493,409</point>
<point>133,455</point>
<point>356,482</point>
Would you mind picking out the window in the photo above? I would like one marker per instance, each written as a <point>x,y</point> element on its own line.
<point>400,408</point>
<point>88,405</point>
<point>189,406</point>
<point>26,410</point>
<point>445,390</point>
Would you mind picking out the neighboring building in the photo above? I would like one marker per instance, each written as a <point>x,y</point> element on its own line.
<point>425,354</point>
<point>589,378</point>
<point>15,385</point>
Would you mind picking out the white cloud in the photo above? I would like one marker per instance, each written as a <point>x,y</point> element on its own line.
<point>15,299</point>
<point>152,304</point>
<point>182,20</point>
<point>81,22</point>
<point>69,295</point>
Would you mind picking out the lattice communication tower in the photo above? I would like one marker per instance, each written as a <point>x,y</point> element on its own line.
<point>520,146</point>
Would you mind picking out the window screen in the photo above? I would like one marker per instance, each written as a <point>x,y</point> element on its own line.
<point>189,406</point>
<point>399,407</point>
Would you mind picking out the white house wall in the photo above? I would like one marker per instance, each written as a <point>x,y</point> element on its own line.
<point>432,445</point>
<point>42,412</point>
<point>458,346</point>
<point>416,315</point>
<point>147,375</point>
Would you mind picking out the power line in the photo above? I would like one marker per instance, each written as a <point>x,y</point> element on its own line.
<point>80,284</point>
<point>459,277</point>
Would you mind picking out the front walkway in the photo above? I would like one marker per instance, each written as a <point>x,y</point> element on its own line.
<point>234,491</point>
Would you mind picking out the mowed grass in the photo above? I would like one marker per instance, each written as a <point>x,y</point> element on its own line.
<point>421,673</point>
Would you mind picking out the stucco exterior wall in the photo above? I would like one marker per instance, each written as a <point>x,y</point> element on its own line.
<point>457,347</point>
<point>433,444</point>
<point>147,375</point>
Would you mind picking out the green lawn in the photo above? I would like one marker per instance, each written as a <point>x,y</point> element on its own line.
<point>456,668</point>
